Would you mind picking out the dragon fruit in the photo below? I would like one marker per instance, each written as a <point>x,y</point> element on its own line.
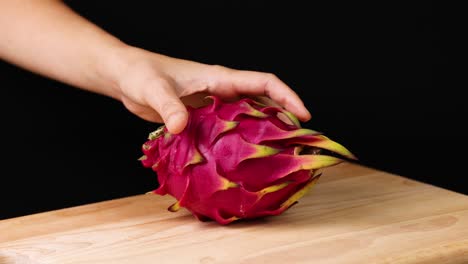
<point>238,160</point>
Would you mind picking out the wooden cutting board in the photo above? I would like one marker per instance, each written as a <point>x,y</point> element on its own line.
<point>353,215</point>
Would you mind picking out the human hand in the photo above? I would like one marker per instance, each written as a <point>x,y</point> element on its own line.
<point>150,85</point>
<point>156,87</point>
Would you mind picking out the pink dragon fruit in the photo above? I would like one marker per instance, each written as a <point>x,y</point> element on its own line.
<point>238,160</point>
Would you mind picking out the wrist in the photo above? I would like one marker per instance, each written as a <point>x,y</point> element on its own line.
<point>112,67</point>
<point>128,66</point>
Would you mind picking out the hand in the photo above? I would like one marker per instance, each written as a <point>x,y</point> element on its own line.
<point>156,87</point>
<point>150,85</point>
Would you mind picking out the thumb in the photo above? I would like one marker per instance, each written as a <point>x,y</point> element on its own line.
<point>165,101</point>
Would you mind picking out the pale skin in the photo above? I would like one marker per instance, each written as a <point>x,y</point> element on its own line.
<point>50,39</point>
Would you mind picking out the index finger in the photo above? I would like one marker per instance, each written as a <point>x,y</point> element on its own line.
<point>259,83</point>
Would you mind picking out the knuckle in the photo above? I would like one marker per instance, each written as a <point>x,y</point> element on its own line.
<point>270,77</point>
<point>217,74</point>
<point>219,69</point>
<point>169,107</point>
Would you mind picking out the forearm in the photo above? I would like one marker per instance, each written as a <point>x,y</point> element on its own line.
<point>47,37</point>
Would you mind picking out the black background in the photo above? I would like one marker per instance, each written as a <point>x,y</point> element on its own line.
<point>377,77</point>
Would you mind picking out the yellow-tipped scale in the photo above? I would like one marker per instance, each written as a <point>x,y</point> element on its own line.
<point>242,160</point>
<point>299,194</point>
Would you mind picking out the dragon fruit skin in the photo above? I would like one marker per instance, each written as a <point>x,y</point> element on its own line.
<point>238,160</point>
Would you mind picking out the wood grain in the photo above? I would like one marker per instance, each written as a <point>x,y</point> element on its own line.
<point>353,215</point>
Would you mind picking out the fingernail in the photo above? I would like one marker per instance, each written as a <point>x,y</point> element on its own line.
<point>176,122</point>
<point>307,115</point>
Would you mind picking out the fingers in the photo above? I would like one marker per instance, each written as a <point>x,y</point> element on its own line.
<point>231,82</point>
<point>161,96</point>
<point>265,100</point>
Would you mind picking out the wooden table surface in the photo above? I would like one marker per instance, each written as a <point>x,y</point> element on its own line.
<point>353,215</point>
